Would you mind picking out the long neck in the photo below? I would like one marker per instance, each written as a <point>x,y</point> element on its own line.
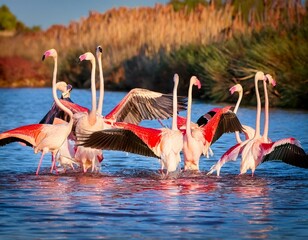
<point>92,115</point>
<point>258,116</point>
<point>240,96</point>
<point>188,117</point>
<point>54,91</point>
<point>266,111</point>
<point>101,85</point>
<point>175,105</point>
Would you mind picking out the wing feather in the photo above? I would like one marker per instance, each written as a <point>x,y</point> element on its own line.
<point>116,139</point>
<point>287,151</point>
<point>140,104</point>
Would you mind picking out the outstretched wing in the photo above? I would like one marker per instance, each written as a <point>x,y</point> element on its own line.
<point>116,139</point>
<point>287,150</point>
<point>223,121</point>
<point>228,123</point>
<point>141,104</point>
<point>25,134</point>
<point>230,155</point>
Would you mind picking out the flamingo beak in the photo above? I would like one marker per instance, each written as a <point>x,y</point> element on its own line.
<point>232,90</point>
<point>82,57</point>
<point>100,49</point>
<point>198,84</point>
<point>46,54</point>
<point>69,87</point>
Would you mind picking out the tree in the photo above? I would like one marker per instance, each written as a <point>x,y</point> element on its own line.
<point>8,20</point>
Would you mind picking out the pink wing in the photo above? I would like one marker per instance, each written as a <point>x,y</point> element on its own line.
<point>223,121</point>
<point>230,155</point>
<point>25,134</point>
<point>75,108</point>
<point>127,138</point>
<point>150,136</point>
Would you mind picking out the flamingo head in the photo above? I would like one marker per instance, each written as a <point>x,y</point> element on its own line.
<point>260,76</point>
<point>236,88</point>
<point>176,78</point>
<point>195,81</point>
<point>50,53</point>
<point>99,50</point>
<point>270,79</point>
<point>86,56</point>
<point>62,86</point>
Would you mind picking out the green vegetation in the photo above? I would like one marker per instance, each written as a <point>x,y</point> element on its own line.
<point>221,65</point>
<point>9,22</point>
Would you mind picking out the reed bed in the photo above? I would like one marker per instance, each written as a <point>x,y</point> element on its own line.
<point>144,46</point>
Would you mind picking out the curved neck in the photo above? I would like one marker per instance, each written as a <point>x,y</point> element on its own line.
<point>101,85</point>
<point>92,115</point>
<point>189,103</point>
<point>54,92</point>
<point>175,103</point>
<point>258,116</point>
<point>240,96</point>
<point>266,111</point>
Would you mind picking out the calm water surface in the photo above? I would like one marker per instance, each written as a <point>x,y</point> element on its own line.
<point>129,199</point>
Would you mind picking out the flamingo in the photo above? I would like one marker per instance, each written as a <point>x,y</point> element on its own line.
<point>42,137</point>
<point>66,152</point>
<point>259,149</point>
<point>55,111</point>
<point>197,139</point>
<point>163,143</point>
<point>89,122</point>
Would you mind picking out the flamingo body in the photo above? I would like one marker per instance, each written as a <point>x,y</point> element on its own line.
<point>200,140</point>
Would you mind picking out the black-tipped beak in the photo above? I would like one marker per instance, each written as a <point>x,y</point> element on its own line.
<point>100,49</point>
<point>43,58</point>
<point>69,87</point>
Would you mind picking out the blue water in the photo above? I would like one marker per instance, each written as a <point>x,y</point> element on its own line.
<point>129,199</point>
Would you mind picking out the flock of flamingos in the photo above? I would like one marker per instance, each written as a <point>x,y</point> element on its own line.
<point>75,136</point>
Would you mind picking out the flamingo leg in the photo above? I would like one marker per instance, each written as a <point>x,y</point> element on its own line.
<point>53,165</point>
<point>40,162</point>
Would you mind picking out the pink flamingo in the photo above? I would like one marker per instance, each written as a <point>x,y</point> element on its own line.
<point>42,137</point>
<point>197,140</point>
<point>66,153</point>
<point>164,143</point>
<point>259,149</point>
<point>89,122</point>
